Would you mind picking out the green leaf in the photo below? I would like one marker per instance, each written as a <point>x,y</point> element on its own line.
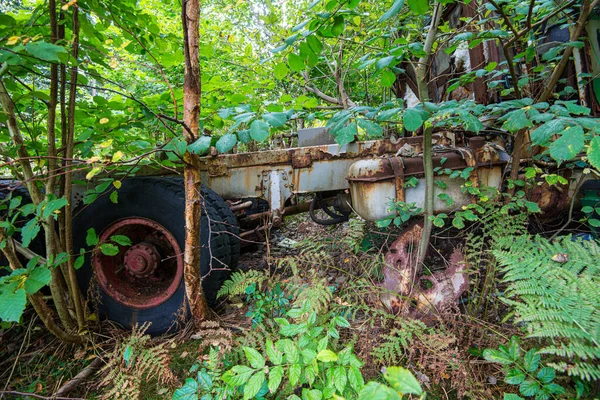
<point>384,62</point>
<point>114,197</point>
<point>274,355</point>
<point>280,71</point>
<point>226,143</point>
<point>532,360</point>
<point>387,78</point>
<point>371,128</point>
<point>593,152</point>
<point>346,135</point>
<point>121,240</point>
<point>419,7</point>
<point>109,249</point>
<point>238,375</point>
<point>339,378</point>
<point>30,231</point>
<point>294,374</point>
<point>12,303</point>
<point>412,120</point>
<point>315,44</point>
<point>377,391</point>
<point>275,377</point>
<point>255,359</point>
<point>512,396</point>
<point>338,26</point>
<point>200,146</point>
<point>327,356</point>
<point>514,376</point>
<point>402,380</point>
<point>542,135</point>
<point>529,388</point>
<point>45,51</point>
<point>37,279</point>
<point>546,375</point>
<point>259,131</point>
<point>254,384</point>
<point>295,62</point>
<point>394,9</point>
<point>516,121</point>
<point>568,145</point>
<point>276,119</point>
<point>91,239</point>
<point>355,378</point>
<point>189,391</point>
<point>497,356</point>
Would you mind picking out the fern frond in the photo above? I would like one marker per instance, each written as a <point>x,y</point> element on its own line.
<point>556,300</point>
<point>238,282</point>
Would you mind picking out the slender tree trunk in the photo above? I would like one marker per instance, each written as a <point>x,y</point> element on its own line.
<point>421,74</point>
<point>68,153</point>
<point>191,173</point>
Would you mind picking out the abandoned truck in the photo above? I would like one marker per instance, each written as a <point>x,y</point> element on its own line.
<point>143,282</point>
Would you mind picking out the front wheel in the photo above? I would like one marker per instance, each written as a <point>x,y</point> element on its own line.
<point>140,278</point>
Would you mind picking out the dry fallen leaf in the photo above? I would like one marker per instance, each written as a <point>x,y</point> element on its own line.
<point>560,258</point>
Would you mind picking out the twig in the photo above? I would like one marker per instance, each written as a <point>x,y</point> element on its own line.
<point>579,183</point>
<point>80,377</point>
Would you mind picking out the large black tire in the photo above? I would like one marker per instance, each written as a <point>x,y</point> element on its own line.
<point>161,200</point>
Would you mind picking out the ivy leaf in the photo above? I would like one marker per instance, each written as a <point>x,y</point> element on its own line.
<point>12,303</point>
<point>189,391</point>
<point>259,131</point>
<point>593,152</point>
<point>30,231</point>
<point>200,146</point>
<point>412,120</point>
<point>394,9</point>
<point>254,384</point>
<point>568,145</point>
<point>109,249</point>
<point>542,135</point>
<point>37,279</point>
<point>419,7</point>
<point>45,51</point>
<point>255,359</point>
<point>371,128</point>
<point>226,143</point>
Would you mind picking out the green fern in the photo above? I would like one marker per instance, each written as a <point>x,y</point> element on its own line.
<point>312,296</point>
<point>397,343</point>
<point>239,281</point>
<point>355,234</point>
<point>553,288</point>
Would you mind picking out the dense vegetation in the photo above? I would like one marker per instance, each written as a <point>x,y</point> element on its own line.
<point>92,92</point>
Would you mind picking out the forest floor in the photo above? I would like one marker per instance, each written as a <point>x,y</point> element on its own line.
<point>445,354</point>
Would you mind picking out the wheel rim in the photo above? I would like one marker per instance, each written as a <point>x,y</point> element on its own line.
<point>142,275</point>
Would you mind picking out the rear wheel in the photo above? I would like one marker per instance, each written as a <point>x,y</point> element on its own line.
<point>143,281</point>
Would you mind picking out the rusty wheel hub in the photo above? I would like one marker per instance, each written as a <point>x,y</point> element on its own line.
<point>146,273</point>
<point>142,260</point>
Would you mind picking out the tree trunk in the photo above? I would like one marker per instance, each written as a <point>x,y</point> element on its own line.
<point>421,74</point>
<point>191,174</point>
